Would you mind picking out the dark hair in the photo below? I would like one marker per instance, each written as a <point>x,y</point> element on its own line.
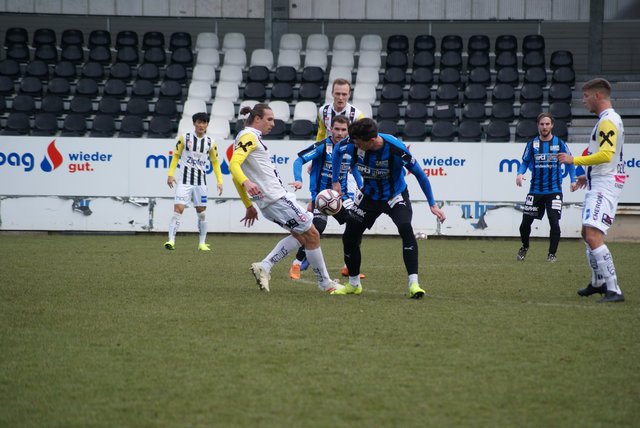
<point>599,85</point>
<point>257,111</point>
<point>340,119</point>
<point>363,129</point>
<point>200,116</point>
<point>543,115</point>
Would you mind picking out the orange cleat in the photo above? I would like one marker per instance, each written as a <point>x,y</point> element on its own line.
<point>345,272</point>
<point>294,271</point>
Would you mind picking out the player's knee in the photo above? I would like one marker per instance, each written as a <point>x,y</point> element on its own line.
<point>405,230</point>
<point>320,222</point>
<point>178,209</point>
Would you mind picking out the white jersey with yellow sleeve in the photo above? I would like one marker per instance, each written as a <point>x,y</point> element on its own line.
<point>251,160</point>
<point>326,113</point>
<point>192,154</point>
<point>604,161</point>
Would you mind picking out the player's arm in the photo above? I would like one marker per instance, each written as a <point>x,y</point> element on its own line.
<point>571,167</point>
<point>215,163</point>
<point>304,156</point>
<point>425,185</point>
<point>322,129</point>
<point>607,135</point>
<point>356,176</point>
<point>174,162</point>
<point>524,165</point>
<point>244,147</point>
<point>336,163</point>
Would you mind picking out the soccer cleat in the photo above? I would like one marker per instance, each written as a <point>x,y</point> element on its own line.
<point>170,245</point>
<point>522,253</point>
<point>294,271</point>
<point>415,292</point>
<point>612,297</point>
<point>204,247</point>
<point>335,288</point>
<point>345,272</point>
<point>352,289</point>
<point>590,289</point>
<point>304,265</point>
<point>261,275</point>
<point>552,258</point>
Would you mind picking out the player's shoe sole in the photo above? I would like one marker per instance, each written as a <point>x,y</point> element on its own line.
<point>590,289</point>
<point>170,245</point>
<point>612,297</point>
<point>415,292</point>
<point>204,247</point>
<point>294,272</point>
<point>261,275</point>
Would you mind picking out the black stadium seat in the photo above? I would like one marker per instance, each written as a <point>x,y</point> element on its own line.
<point>313,75</point>
<point>302,129</point>
<point>531,93</point>
<point>469,131</point>
<point>481,76</point>
<point>388,111</point>
<point>503,93</point>
<point>474,112</point>
<point>73,54</point>
<point>391,92</point>
<point>44,36</point>
<point>160,127</point>
<point>508,75</point>
<point>126,38</point>
<point>309,91</point>
<point>422,75</point>
<point>17,124</point>
<point>92,70</point>
<point>560,92</point>
<point>388,127</point>
<point>419,92</point>
<point>506,42</point>
<point>424,59</point>
<point>502,111</point>
<point>175,72</point>
<point>149,71</point>
<point>475,92</point>
<point>255,91</point>
<point>74,125</point>
<point>9,68</point>
<point>59,86</point>
<point>121,71</point>
<point>110,106</point>
<point>24,103</point>
<point>103,126</point>
<point>533,42</point>
<point>526,130</point>
<point>443,131</point>
<point>72,37</point>
<point>561,59</point>
<point>397,59</point>
<point>45,124</point>
<point>37,68</point>
<point>16,35</point>
<point>398,42</point>
<point>153,39</point>
<point>451,42</point>
<point>530,110</point>
<point>99,38</point>
<point>498,131</point>
<point>414,130</point>
<point>66,70</point>
<point>444,112</point>
<point>479,43</point>
<point>285,74</point>
<point>131,127</point>
<point>166,107</point>
<point>115,88</point>
<point>258,73</point>
<point>180,39</point>
<point>424,42</point>
<point>416,111</point>
<point>52,104</point>
<point>171,89</point>
<point>277,132</point>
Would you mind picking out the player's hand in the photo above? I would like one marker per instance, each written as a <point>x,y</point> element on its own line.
<point>252,189</point>
<point>581,183</point>
<point>250,216</point>
<point>296,185</point>
<point>436,211</point>
<point>337,187</point>
<point>519,179</point>
<point>309,169</point>
<point>565,158</point>
<point>219,189</point>
<point>171,181</point>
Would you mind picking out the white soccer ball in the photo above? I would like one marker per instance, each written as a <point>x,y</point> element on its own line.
<point>328,202</point>
<point>421,235</point>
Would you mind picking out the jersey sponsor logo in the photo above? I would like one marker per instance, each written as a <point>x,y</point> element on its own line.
<point>606,219</point>
<point>509,166</point>
<point>598,206</point>
<point>604,138</point>
<point>244,146</point>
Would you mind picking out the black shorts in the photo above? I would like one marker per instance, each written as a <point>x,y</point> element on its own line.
<point>535,205</point>
<point>366,210</point>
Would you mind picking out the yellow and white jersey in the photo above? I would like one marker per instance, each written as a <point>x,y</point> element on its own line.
<point>604,159</point>
<point>326,113</point>
<point>192,154</point>
<point>251,160</point>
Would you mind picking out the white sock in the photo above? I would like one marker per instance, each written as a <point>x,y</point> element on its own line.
<point>202,227</point>
<point>280,251</point>
<point>174,225</point>
<point>596,277</point>
<point>606,268</point>
<point>354,280</point>
<point>413,278</point>
<point>316,261</point>
<point>296,262</point>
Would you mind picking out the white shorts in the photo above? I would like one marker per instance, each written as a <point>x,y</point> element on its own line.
<point>187,194</point>
<point>288,214</point>
<point>600,208</point>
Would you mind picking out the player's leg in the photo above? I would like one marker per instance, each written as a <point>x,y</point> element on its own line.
<point>532,209</point>
<point>320,223</point>
<point>553,207</point>
<point>351,240</point>
<point>310,238</point>
<point>178,208</point>
<point>199,200</point>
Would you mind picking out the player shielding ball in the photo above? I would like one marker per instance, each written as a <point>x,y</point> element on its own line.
<point>192,152</point>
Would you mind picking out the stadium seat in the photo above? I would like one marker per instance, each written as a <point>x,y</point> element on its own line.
<point>16,36</point>
<point>120,71</point>
<point>370,59</point>
<point>224,90</point>
<point>342,59</point>
<point>498,131</point>
<point>92,70</point>
<point>153,39</point>
<point>317,42</point>
<point>306,110</point>
<point>103,126</point>
<point>280,110</point>
<point>449,76</point>
<point>166,107</point>
<point>424,59</point>
<point>204,73</point>
<point>202,90</point>
<point>235,57</point>
<point>317,59</point>
<point>109,105</point>
<point>81,105</point>
<point>526,130</point>
<point>45,124</point>
<point>309,92</point>
<point>451,42</point>
<point>388,127</point>
<point>479,43</point>
<point>100,54</point>
<point>290,41</point>
<point>52,104</point>
<point>31,86</point>
<point>416,111</point>
<point>398,42</point>
<point>339,72</point>
<point>475,92</point>
<point>180,39</point>
<point>255,91</point>
<point>395,75</point>
<point>560,129</point>
<point>391,92</point>
<point>560,92</point>
<point>302,129</point>
<point>131,127</point>
<point>564,75</point>
<point>451,59</point>
<point>414,130</point>
<point>469,131</point>
<point>536,75</point>
<point>137,107</point>
<point>422,75</point>
<point>37,68</point>
<point>155,55</point>
<point>128,55</point>
<point>17,124</point>
<point>419,92</point>
<point>73,54</point>
<point>365,93</point>
<point>424,42</point>
<point>364,107</point>
<point>444,113</point>
<point>114,88</point>
<point>175,72</point>
<point>474,112</point>
<point>508,75</point>
<point>285,74</point>
<point>388,111</point>
<point>72,37</point>
<point>44,37</point>
<point>443,131</point>
<point>10,68</point>
<point>223,109</point>
<point>478,59</point>
<point>502,111</point>
<point>59,86</point>
<point>143,89</point>
<point>207,40</point>
<point>530,110</point>
<point>533,59</point>
<point>186,125</point>
<point>447,94</point>
<point>506,59</point>
<point>370,43</point>
<point>531,92</point>
<point>503,93</point>
<point>561,58</point>
<point>233,41</point>
<point>506,42</point>
<point>160,127</point>
<point>258,73</point>
<point>149,71</point>
<point>397,59</point>
<point>65,70</point>
<point>184,56</point>
<point>289,59</point>
<point>263,57</point>
<point>344,43</point>
<point>277,132</point>
<point>313,75</point>
<point>533,42</point>
<point>18,52</point>
<point>282,91</point>
<point>193,106</point>
<point>219,128</point>
<point>74,125</point>
<point>7,87</point>
<point>127,38</point>
<point>46,53</point>
<point>99,38</point>
<point>560,111</point>
<point>24,103</point>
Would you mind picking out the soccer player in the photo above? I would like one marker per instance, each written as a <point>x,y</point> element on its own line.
<point>192,151</point>
<point>257,179</point>
<point>319,154</point>
<point>545,192</point>
<point>341,91</point>
<point>381,160</point>
<point>605,178</point>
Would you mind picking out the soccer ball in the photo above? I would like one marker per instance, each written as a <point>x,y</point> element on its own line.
<point>421,235</point>
<point>328,202</point>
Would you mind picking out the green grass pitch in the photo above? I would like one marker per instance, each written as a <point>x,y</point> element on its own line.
<point>115,331</point>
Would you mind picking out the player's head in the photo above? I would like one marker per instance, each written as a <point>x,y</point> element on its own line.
<point>339,128</point>
<point>596,95</point>
<point>200,122</point>
<point>545,125</point>
<point>363,133</point>
<point>260,117</point>
<point>340,91</point>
